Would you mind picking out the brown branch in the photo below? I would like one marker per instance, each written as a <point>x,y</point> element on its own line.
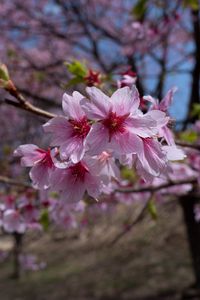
<point>22,102</point>
<point>133,223</point>
<point>188,145</point>
<point>10,181</point>
<point>31,108</point>
<point>156,188</point>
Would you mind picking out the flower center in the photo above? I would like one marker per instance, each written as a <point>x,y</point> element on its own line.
<point>47,160</point>
<point>115,124</point>
<point>78,171</point>
<point>80,127</point>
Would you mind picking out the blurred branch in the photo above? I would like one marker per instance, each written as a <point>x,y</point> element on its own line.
<point>156,188</point>
<point>10,181</point>
<point>131,225</point>
<point>188,145</point>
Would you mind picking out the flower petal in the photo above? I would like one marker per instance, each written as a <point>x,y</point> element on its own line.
<point>143,125</point>
<point>73,148</point>
<point>126,143</point>
<point>29,154</point>
<point>167,100</point>
<point>99,106</point>
<point>40,176</point>
<point>71,106</point>
<point>125,100</point>
<point>97,139</point>
<point>60,128</point>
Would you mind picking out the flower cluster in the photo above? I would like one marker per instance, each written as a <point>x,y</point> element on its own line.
<point>17,214</point>
<point>95,136</point>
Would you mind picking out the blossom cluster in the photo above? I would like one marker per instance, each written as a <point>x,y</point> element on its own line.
<point>17,214</point>
<point>95,136</point>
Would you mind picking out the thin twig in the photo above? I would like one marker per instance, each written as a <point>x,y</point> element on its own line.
<point>31,108</point>
<point>133,223</point>
<point>10,181</point>
<point>156,188</point>
<point>188,145</point>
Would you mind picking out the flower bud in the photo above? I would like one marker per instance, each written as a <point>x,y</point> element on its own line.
<point>4,75</point>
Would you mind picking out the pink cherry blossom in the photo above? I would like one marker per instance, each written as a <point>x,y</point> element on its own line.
<point>163,105</point>
<point>41,162</point>
<point>128,79</point>
<point>119,122</point>
<point>107,167</point>
<point>76,179</point>
<point>13,222</point>
<point>70,132</point>
<point>152,160</point>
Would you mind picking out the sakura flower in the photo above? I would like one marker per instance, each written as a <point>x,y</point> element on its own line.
<point>107,166</point>
<point>69,132</point>
<point>29,262</point>
<point>128,79</point>
<point>163,106</point>
<point>76,179</point>
<point>61,214</point>
<point>41,162</point>
<point>119,122</point>
<point>13,222</point>
<point>152,160</point>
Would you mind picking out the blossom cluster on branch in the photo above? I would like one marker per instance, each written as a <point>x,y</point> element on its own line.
<point>95,137</point>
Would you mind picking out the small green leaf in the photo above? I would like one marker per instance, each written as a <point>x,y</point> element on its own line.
<point>44,219</point>
<point>7,150</point>
<point>196,110</point>
<point>39,76</point>
<point>11,53</point>
<point>139,9</point>
<point>54,195</point>
<point>152,209</point>
<point>77,68</point>
<point>189,136</point>
<point>74,81</point>
<point>193,4</point>
<point>128,174</point>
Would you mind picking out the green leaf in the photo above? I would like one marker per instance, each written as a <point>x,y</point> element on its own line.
<point>193,4</point>
<point>39,76</point>
<point>7,150</point>
<point>152,209</point>
<point>77,68</point>
<point>139,9</point>
<point>73,81</point>
<point>44,219</point>
<point>128,174</point>
<point>196,110</point>
<point>11,53</point>
<point>189,136</point>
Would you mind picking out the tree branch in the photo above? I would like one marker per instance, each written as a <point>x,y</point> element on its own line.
<point>156,188</point>
<point>10,181</point>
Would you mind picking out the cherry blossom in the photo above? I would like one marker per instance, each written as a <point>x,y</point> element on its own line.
<point>119,124</point>
<point>70,132</point>
<point>41,162</point>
